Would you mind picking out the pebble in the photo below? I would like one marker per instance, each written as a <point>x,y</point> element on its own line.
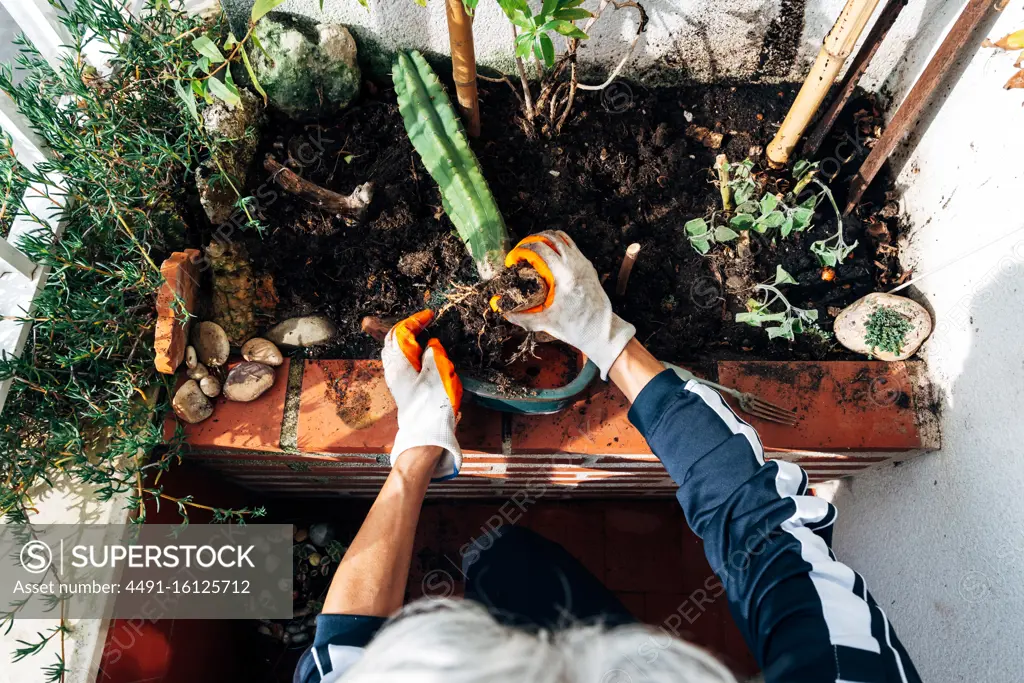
<point>248,381</point>
<point>210,386</point>
<point>191,359</point>
<point>260,350</point>
<point>321,534</point>
<point>851,325</point>
<point>308,330</point>
<point>211,343</point>
<point>191,404</point>
<point>198,372</point>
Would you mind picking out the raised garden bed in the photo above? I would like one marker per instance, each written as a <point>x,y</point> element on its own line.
<point>616,175</point>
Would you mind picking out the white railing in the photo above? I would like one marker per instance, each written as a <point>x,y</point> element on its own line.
<point>21,279</point>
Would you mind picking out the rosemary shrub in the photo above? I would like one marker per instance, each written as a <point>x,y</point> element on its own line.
<point>123,149</point>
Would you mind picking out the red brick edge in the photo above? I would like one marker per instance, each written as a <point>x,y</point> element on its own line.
<point>326,428</point>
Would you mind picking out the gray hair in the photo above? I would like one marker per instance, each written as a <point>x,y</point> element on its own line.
<point>458,641</point>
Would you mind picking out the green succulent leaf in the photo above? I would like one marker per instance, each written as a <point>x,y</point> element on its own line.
<point>742,221</point>
<point>773,219</point>
<point>225,91</point>
<point>703,246</point>
<point>786,227</point>
<point>801,218</point>
<point>768,203</point>
<point>696,227</point>
<point>783,278</point>
<point>569,29</point>
<point>724,234</point>
<point>262,7</point>
<point>188,99</point>
<point>207,48</point>
<point>749,208</point>
<point>572,14</point>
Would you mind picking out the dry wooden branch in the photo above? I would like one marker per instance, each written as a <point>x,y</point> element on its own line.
<point>353,206</point>
<point>953,45</point>
<point>886,18</point>
<point>632,46</point>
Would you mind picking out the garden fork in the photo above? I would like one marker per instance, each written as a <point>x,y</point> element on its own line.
<point>758,407</point>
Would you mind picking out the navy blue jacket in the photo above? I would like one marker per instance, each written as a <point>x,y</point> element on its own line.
<point>806,617</point>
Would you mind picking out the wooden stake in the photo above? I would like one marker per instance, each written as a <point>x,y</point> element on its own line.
<point>722,166</point>
<point>626,268</point>
<point>886,18</point>
<point>958,38</point>
<point>837,47</point>
<point>460,39</point>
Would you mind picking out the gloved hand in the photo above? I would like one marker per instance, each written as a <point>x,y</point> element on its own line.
<point>427,391</point>
<point>577,311</point>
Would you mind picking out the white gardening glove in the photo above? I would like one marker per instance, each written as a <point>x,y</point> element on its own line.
<point>427,391</point>
<point>577,310</point>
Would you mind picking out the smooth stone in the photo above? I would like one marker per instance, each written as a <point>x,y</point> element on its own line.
<point>248,381</point>
<point>210,386</point>
<point>191,359</point>
<point>212,345</point>
<point>198,372</point>
<point>851,325</point>
<point>261,350</point>
<point>191,404</point>
<point>321,534</point>
<point>308,330</point>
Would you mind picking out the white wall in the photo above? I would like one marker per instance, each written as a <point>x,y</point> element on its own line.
<point>940,539</point>
<point>705,40</point>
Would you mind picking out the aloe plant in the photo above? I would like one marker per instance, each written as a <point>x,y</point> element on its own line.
<point>438,137</point>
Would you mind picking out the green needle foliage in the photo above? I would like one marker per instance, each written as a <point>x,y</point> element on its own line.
<point>122,149</point>
<point>887,330</point>
<point>12,185</point>
<point>437,135</point>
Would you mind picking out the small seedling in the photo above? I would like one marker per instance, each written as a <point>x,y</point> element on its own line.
<point>887,330</point>
<point>702,236</point>
<point>785,323</point>
<point>833,250</point>
<point>786,212</point>
<point>556,16</point>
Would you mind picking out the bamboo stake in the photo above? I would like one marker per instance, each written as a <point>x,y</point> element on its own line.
<point>460,40</point>
<point>838,45</point>
<point>953,45</point>
<point>626,268</point>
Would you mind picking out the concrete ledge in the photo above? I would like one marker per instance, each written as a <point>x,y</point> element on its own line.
<point>328,428</point>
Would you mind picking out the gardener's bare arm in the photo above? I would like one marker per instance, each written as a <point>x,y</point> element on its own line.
<point>369,585</point>
<point>806,616</point>
<point>371,577</point>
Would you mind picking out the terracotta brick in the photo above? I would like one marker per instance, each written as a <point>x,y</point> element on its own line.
<point>253,426</point>
<point>346,408</point>
<point>181,279</point>
<point>842,405</point>
<point>596,425</point>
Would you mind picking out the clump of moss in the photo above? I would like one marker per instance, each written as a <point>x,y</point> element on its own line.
<point>887,330</point>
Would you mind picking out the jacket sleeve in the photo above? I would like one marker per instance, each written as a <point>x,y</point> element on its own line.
<point>806,616</point>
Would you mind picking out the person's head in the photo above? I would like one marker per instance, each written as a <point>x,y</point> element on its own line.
<point>458,641</point>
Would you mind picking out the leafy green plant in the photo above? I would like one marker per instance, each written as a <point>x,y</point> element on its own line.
<point>555,16</point>
<point>437,135</point>
<point>887,330</point>
<point>774,311</point>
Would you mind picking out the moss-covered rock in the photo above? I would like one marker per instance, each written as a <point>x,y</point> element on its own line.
<point>309,70</point>
<point>235,129</point>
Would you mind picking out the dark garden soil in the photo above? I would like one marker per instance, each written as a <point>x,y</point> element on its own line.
<point>630,166</point>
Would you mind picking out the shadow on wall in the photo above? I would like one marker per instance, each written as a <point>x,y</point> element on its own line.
<point>952,566</point>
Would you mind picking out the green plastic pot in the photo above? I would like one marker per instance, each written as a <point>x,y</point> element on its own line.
<point>537,402</point>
